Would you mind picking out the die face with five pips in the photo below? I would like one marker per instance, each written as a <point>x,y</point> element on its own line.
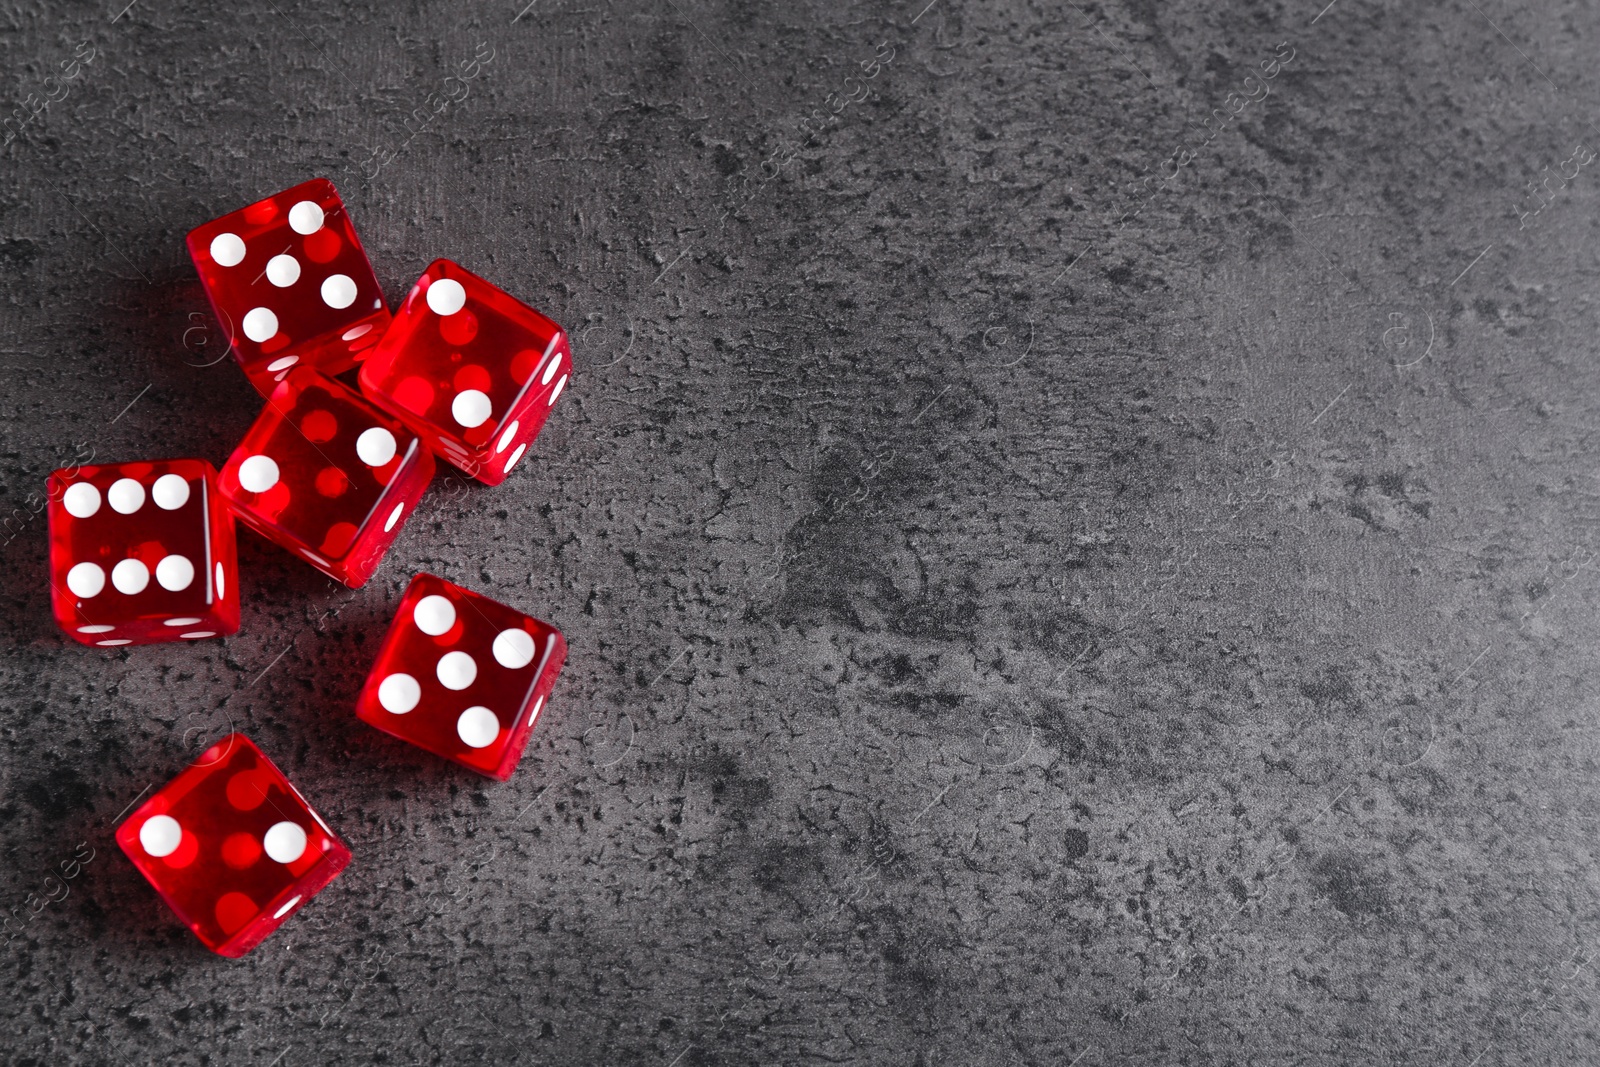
<point>290,284</point>
<point>471,369</point>
<point>462,676</point>
<point>142,552</point>
<point>232,847</point>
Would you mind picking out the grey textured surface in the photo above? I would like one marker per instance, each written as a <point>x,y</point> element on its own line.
<point>1034,598</point>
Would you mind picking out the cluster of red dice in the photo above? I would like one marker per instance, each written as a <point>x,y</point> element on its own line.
<point>329,471</point>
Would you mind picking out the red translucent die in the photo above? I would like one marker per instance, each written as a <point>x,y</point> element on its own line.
<point>142,552</point>
<point>290,284</point>
<point>326,475</point>
<point>473,371</point>
<point>462,676</point>
<point>232,847</point>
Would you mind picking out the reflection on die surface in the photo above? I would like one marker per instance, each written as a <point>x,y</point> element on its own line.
<point>462,676</point>
<point>327,476</point>
<point>232,847</point>
<point>142,552</point>
<point>474,371</point>
<point>290,283</point>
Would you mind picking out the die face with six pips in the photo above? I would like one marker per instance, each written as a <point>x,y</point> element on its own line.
<point>232,847</point>
<point>462,676</point>
<point>290,284</point>
<point>142,552</point>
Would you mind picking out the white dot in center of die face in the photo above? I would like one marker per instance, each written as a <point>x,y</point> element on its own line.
<point>305,218</point>
<point>130,577</point>
<point>175,573</point>
<point>260,324</point>
<point>160,835</point>
<point>170,492</point>
<point>470,407</point>
<point>126,496</point>
<point>227,249</point>
<point>446,297</point>
<point>339,291</point>
<point>457,670</point>
<point>81,500</point>
<point>283,270</point>
<point>376,446</point>
<point>478,727</point>
<point>86,580</point>
<point>434,615</point>
<point>513,648</point>
<point>285,841</point>
<point>258,473</point>
<point>399,693</point>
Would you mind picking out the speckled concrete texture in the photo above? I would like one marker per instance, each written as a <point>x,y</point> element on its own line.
<point>1075,524</point>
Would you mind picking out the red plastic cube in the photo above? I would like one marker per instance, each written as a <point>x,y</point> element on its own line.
<point>472,370</point>
<point>232,847</point>
<point>462,676</point>
<point>142,552</point>
<point>326,475</point>
<point>290,284</point>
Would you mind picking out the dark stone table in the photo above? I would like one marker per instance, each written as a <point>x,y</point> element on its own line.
<point>1075,524</point>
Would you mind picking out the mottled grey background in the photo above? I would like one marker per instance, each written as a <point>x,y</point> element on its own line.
<point>1034,598</point>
